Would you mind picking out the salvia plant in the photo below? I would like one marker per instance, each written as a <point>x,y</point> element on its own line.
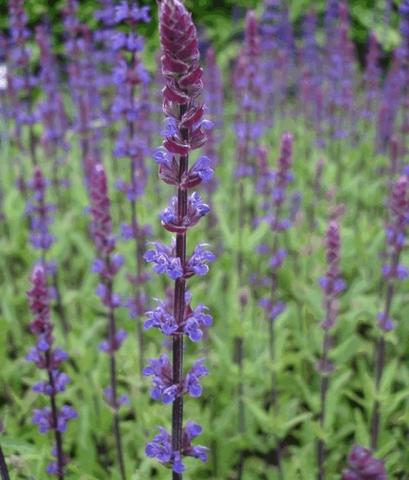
<point>40,213</point>
<point>106,265</point>
<point>48,358</point>
<point>130,106</point>
<point>23,77</point>
<point>393,270</point>
<point>51,111</point>
<point>297,390</point>
<point>332,285</point>
<point>186,130</point>
<point>82,81</point>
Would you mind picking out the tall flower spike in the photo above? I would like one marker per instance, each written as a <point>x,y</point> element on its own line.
<point>276,207</point>
<point>106,265</point>
<point>51,110</point>
<point>24,80</point>
<point>392,271</point>
<point>132,107</point>
<point>248,90</point>
<point>41,216</point>
<point>332,285</point>
<point>48,358</point>
<point>185,130</point>
<point>83,85</point>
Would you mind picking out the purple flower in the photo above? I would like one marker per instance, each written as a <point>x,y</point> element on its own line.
<point>192,380</point>
<point>197,322</point>
<point>160,318</point>
<point>163,388</point>
<point>161,447</point>
<point>196,209</point>
<point>198,262</point>
<point>362,465</point>
<point>111,347</point>
<point>164,261</point>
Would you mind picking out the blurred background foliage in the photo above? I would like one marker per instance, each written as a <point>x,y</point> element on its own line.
<point>219,16</point>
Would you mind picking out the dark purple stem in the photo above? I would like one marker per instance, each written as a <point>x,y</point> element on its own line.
<point>113,378</point>
<point>3,466</point>
<point>179,309</point>
<point>54,414</point>
<point>59,306</point>
<point>380,365</point>
<point>323,401</point>
<point>138,247</point>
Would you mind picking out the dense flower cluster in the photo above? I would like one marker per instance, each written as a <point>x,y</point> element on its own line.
<point>362,465</point>
<point>185,130</point>
<point>48,358</point>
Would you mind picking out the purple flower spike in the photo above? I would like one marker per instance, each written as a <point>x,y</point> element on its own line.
<point>332,285</point>
<point>106,266</point>
<point>184,129</point>
<point>49,359</point>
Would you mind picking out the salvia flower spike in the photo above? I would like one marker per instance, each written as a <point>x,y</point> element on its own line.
<point>185,130</point>
<point>24,80</point>
<point>47,357</point>
<point>41,215</point>
<point>132,108</point>
<point>106,265</point>
<point>332,285</point>
<point>392,271</point>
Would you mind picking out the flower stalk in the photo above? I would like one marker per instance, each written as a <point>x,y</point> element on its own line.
<point>107,264</point>
<point>185,130</point>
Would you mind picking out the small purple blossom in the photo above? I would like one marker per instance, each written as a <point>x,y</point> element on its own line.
<point>362,465</point>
